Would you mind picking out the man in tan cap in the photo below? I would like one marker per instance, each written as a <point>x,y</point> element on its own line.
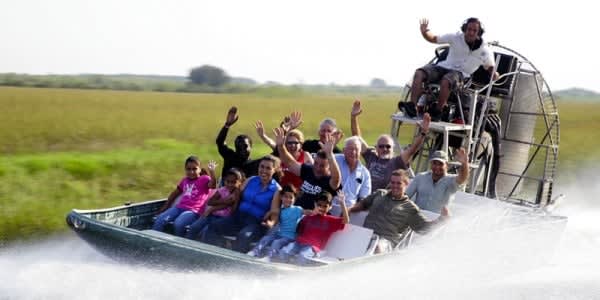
<point>435,189</point>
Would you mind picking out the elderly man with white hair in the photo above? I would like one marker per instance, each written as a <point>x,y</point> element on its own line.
<point>380,160</point>
<point>356,179</point>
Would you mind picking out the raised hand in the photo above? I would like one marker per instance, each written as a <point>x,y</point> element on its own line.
<point>425,123</point>
<point>424,24</point>
<point>329,143</point>
<point>285,124</point>
<point>338,135</point>
<point>232,116</point>
<point>461,156</point>
<point>341,198</point>
<point>212,165</point>
<point>295,120</point>
<point>279,136</point>
<point>260,129</point>
<point>356,109</point>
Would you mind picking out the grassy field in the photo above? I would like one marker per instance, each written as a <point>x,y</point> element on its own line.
<point>64,149</point>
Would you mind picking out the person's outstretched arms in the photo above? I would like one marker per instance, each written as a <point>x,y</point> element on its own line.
<point>427,35</point>
<point>260,130</point>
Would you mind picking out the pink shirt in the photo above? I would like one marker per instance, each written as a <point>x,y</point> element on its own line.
<point>194,193</point>
<point>224,212</point>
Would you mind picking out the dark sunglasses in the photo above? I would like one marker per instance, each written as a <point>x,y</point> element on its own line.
<point>292,143</point>
<point>384,146</point>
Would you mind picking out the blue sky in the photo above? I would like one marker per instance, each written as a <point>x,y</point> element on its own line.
<point>346,42</point>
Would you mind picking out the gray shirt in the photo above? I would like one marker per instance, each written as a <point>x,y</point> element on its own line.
<point>381,168</point>
<point>432,196</point>
<point>390,217</point>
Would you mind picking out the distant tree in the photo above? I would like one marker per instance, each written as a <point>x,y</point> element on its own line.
<point>378,83</point>
<point>209,75</point>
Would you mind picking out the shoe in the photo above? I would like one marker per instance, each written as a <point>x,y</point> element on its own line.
<point>435,112</point>
<point>252,253</point>
<point>407,108</point>
<point>265,259</point>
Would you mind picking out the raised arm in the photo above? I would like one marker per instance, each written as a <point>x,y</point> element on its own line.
<point>285,156</point>
<point>231,118</point>
<point>463,173</point>
<point>427,35</point>
<point>418,140</point>
<point>354,126</point>
<point>260,130</point>
<point>327,147</point>
<point>212,166</point>
<point>341,198</point>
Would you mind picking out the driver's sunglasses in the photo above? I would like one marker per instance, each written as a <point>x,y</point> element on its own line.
<point>384,146</point>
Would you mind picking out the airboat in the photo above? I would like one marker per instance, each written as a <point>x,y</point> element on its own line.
<point>520,177</point>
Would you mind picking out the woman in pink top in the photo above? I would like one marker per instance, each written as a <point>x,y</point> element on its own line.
<point>221,204</point>
<point>194,191</point>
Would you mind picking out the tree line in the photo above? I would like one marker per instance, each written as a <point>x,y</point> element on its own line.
<point>202,79</point>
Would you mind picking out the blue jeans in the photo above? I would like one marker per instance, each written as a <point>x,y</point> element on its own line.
<point>180,217</point>
<point>195,230</point>
<point>275,240</point>
<point>244,226</point>
<point>300,251</point>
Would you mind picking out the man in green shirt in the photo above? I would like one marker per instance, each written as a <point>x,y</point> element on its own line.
<point>392,213</point>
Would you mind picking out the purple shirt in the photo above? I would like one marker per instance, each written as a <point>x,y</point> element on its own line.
<point>194,193</point>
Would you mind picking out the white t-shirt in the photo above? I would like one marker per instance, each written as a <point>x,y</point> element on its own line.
<point>461,58</point>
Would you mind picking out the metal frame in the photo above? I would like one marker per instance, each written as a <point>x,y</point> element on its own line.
<point>534,181</point>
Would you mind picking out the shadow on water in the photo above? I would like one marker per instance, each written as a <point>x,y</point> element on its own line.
<point>480,254</point>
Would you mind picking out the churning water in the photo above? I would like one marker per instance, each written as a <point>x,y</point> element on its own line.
<point>480,254</point>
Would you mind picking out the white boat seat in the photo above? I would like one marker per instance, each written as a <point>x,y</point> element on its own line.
<point>351,242</point>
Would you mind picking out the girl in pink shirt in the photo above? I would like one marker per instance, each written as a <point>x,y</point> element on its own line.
<point>221,204</point>
<point>193,191</point>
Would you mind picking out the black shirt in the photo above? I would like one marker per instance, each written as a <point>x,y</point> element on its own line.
<point>232,159</point>
<point>311,187</point>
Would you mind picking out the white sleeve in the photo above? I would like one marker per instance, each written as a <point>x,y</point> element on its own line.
<point>446,38</point>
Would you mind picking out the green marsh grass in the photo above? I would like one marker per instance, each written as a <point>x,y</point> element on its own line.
<point>64,149</point>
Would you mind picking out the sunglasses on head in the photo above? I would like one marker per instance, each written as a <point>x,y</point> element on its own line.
<point>384,146</point>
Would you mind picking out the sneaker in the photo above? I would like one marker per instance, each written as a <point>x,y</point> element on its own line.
<point>265,259</point>
<point>252,253</point>
<point>407,108</point>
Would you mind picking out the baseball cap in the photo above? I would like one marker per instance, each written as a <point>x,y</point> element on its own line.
<point>439,156</point>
